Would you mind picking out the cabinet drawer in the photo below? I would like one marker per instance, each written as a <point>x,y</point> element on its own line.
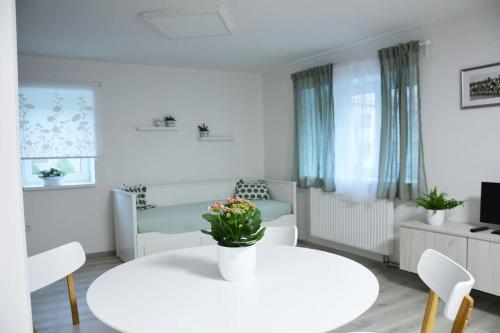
<point>484,264</point>
<point>414,242</point>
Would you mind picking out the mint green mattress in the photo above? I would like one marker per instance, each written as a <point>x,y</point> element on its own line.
<point>178,219</point>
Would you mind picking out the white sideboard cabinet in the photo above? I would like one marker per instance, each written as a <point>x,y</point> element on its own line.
<point>478,252</point>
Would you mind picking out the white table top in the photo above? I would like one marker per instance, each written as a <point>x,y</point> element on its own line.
<point>294,290</point>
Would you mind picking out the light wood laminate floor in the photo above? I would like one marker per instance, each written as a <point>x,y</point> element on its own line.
<point>399,307</point>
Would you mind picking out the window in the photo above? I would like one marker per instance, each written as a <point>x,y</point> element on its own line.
<point>77,171</point>
<point>356,91</point>
<point>58,130</point>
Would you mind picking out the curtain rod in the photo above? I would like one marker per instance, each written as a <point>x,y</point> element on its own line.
<point>425,44</point>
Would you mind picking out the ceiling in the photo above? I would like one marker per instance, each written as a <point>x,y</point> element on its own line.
<point>265,33</point>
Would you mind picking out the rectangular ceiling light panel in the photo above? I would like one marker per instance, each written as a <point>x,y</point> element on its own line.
<point>190,21</point>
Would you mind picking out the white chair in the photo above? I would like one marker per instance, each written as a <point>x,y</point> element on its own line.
<point>449,282</point>
<point>283,235</point>
<point>50,266</point>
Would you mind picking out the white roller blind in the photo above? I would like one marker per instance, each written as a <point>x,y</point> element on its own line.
<point>57,121</point>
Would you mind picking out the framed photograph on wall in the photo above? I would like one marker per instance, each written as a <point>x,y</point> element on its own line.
<point>481,86</point>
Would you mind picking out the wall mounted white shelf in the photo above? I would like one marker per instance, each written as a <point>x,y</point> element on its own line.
<point>217,138</point>
<point>154,128</point>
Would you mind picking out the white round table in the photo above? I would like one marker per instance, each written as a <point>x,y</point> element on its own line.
<point>294,290</point>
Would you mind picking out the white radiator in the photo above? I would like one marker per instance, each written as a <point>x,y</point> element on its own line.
<point>364,225</point>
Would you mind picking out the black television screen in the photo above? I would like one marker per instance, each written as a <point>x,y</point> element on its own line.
<point>490,202</point>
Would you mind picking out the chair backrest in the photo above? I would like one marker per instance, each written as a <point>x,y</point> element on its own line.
<point>283,235</point>
<point>450,281</point>
<point>50,266</point>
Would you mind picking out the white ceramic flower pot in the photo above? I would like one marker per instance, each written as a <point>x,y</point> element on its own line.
<point>237,264</point>
<point>436,217</point>
<point>52,181</point>
<point>170,123</point>
<point>204,134</point>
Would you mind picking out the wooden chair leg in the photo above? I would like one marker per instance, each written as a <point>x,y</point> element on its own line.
<point>72,299</point>
<point>462,320</point>
<point>430,313</point>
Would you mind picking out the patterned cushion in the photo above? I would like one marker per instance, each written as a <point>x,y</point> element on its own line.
<point>256,190</point>
<point>140,198</point>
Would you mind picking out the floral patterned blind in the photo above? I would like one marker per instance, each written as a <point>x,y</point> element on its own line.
<point>57,122</point>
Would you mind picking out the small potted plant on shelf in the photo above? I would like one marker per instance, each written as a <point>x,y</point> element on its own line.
<point>436,205</point>
<point>51,177</point>
<point>236,226</point>
<point>204,131</point>
<point>169,121</point>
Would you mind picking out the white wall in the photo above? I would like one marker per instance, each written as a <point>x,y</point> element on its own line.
<point>230,103</point>
<point>461,146</point>
<point>15,307</point>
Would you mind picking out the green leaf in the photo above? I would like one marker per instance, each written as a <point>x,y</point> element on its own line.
<point>208,232</point>
<point>210,217</point>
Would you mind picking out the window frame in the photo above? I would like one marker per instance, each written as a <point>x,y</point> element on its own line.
<point>33,182</point>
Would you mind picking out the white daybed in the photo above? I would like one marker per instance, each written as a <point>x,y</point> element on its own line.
<point>132,241</point>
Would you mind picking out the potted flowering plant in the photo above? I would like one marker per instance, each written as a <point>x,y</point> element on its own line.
<point>51,177</point>
<point>236,226</point>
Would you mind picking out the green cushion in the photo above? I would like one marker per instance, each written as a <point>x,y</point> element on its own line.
<point>187,217</point>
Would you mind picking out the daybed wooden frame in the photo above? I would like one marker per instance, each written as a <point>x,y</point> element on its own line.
<point>131,244</point>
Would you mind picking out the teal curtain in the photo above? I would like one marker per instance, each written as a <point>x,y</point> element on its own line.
<point>314,128</point>
<point>401,170</point>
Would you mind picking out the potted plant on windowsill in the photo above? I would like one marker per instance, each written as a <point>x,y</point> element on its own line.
<point>169,121</point>
<point>236,226</point>
<point>436,205</point>
<point>51,177</point>
<point>204,131</point>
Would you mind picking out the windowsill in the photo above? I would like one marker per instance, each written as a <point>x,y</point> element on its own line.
<point>59,187</point>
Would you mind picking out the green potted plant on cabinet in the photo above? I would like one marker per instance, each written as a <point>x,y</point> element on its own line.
<point>436,205</point>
